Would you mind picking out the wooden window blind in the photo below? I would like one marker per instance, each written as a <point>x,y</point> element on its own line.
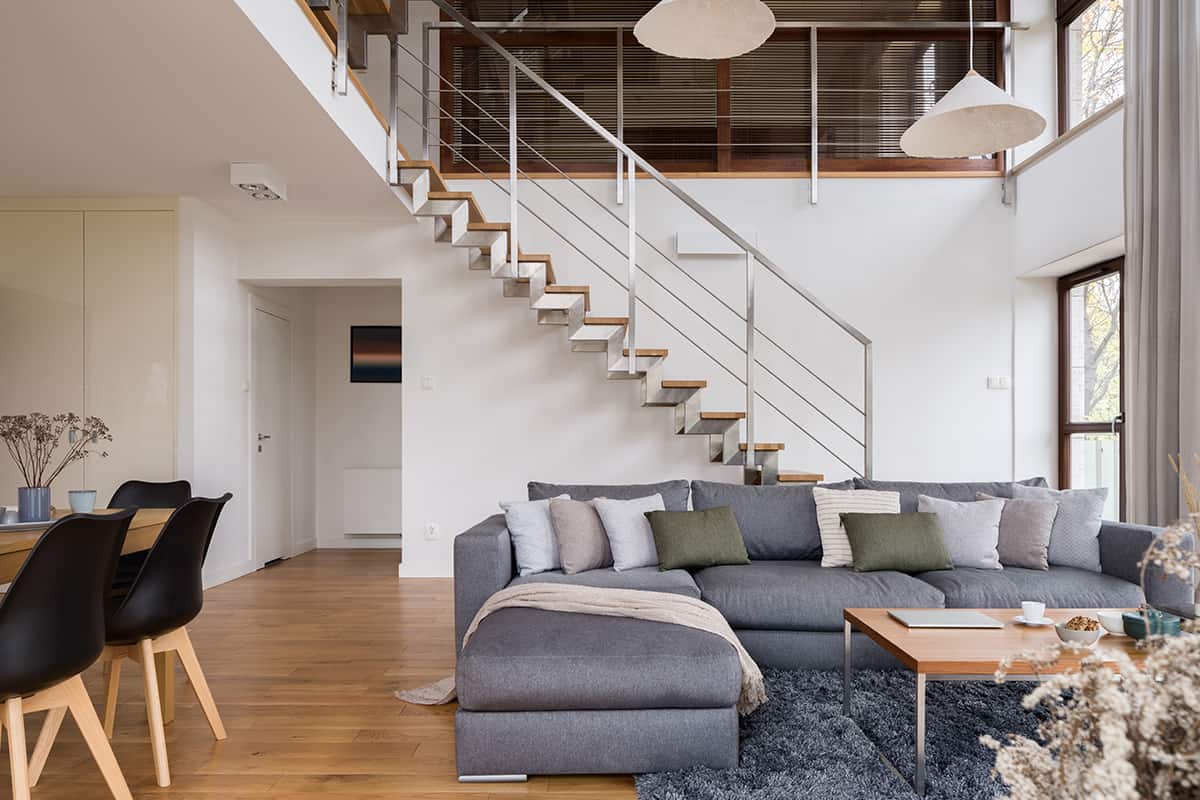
<point>752,113</point>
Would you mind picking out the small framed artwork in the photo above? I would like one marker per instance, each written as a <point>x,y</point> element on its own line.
<point>375,354</point>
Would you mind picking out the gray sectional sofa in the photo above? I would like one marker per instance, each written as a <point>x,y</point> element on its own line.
<point>545,692</point>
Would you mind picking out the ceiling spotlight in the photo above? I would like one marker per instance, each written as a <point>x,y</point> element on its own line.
<point>259,181</point>
<point>710,29</point>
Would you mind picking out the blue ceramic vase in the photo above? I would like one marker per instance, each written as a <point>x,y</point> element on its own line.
<point>33,504</point>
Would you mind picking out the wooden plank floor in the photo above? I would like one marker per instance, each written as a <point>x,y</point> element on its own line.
<point>303,659</point>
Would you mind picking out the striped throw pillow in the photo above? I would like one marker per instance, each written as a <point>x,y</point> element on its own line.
<point>832,503</point>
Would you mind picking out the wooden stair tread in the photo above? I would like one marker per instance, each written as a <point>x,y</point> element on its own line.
<point>435,178</point>
<point>685,384</point>
<point>486,226</point>
<point>647,352</point>
<point>450,195</point>
<point>722,415</point>
<point>801,477</point>
<point>606,321</point>
<point>766,446</point>
<point>586,291</point>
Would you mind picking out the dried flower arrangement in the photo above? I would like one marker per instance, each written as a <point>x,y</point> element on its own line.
<point>32,439</point>
<point>1123,730</point>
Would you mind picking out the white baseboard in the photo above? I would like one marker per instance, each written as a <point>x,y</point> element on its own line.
<point>215,577</point>
<point>299,548</point>
<point>361,543</point>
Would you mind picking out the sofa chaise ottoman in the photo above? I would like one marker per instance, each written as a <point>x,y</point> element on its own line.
<point>544,692</point>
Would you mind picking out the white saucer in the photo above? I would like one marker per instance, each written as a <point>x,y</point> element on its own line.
<point>1033,623</point>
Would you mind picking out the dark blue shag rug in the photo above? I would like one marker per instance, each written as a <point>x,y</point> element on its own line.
<point>799,745</point>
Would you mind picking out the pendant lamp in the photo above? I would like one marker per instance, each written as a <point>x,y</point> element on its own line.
<point>710,29</point>
<point>975,118</point>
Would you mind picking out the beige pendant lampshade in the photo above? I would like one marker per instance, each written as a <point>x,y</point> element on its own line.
<point>710,29</point>
<point>974,118</point>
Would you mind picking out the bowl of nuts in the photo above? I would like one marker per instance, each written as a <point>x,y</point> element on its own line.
<point>1080,630</point>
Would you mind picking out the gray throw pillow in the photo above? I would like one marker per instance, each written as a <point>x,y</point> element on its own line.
<point>582,543</point>
<point>971,530</point>
<point>1025,529</point>
<point>1075,537</point>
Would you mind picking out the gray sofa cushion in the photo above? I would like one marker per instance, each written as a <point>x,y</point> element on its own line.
<point>777,522</point>
<point>1057,587</point>
<point>962,492</point>
<point>527,659</point>
<point>1122,545</point>
<point>674,493</point>
<point>675,581</point>
<point>803,595</point>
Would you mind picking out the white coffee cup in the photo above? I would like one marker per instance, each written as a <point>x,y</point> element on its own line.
<point>1032,611</point>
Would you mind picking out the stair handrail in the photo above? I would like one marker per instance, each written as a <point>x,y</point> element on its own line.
<point>640,163</point>
<point>754,256</point>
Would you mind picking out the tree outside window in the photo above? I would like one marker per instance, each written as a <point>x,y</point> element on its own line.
<point>1096,59</point>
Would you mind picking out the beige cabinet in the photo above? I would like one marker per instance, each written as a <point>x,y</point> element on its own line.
<point>87,324</point>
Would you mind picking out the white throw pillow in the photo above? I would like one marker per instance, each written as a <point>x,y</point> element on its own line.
<point>532,535</point>
<point>832,503</point>
<point>629,535</point>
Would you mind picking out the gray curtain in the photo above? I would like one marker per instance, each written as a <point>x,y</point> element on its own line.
<point>1162,240</point>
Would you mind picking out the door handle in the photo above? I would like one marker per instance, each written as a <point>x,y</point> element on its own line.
<point>263,436</point>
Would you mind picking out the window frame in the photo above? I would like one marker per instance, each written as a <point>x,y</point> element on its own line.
<point>1067,12</point>
<point>1067,427</point>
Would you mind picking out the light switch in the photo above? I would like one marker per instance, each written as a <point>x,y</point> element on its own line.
<point>999,382</point>
<point>427,383</point>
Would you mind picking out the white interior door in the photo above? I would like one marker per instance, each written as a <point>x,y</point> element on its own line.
<point>270,434</point>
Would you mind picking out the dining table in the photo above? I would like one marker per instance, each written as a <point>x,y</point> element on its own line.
<point>17,541</point>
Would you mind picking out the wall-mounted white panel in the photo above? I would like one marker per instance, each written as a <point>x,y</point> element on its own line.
<point>41,327</point>
<point>129,370</point>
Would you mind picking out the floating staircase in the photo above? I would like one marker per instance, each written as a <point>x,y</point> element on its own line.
<point>459,222</point>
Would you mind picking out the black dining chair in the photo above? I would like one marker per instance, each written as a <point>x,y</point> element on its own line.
<point>52,628</point>
<point>145,494</point>
<point>166,595</point>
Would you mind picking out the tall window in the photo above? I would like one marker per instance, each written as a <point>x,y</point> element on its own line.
<point>1091,55</point>
<point>1090,377</point>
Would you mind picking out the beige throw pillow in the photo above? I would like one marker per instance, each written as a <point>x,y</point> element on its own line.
<point>832,503</point>
<point>582,543</point>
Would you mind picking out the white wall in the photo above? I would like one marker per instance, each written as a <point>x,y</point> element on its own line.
<point>1073,199</point>
<point>214,343</point>
<point>358,425</point>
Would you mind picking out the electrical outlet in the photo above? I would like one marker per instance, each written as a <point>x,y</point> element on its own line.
<point>999,382</point>
<point>433,532</point>
<point>427,383</point>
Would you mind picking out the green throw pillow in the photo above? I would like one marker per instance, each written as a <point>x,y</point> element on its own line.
<point>697,539</point>
<point>900,542</point>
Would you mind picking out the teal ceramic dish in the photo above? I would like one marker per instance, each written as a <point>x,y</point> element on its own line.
<point>1160,624</point>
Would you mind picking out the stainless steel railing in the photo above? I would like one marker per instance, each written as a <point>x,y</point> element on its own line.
<point>630,164</point>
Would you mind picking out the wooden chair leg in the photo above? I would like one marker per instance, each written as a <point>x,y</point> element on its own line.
<point>158,737</point>
<point>14,720</point>
<point>191,665</point>
<point>93,733</point>
<point>110,696</point>
<point>45,741</point>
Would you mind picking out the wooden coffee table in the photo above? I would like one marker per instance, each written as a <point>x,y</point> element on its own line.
<point>963,654</point>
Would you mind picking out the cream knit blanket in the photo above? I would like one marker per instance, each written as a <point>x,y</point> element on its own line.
<point>676,609</point>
